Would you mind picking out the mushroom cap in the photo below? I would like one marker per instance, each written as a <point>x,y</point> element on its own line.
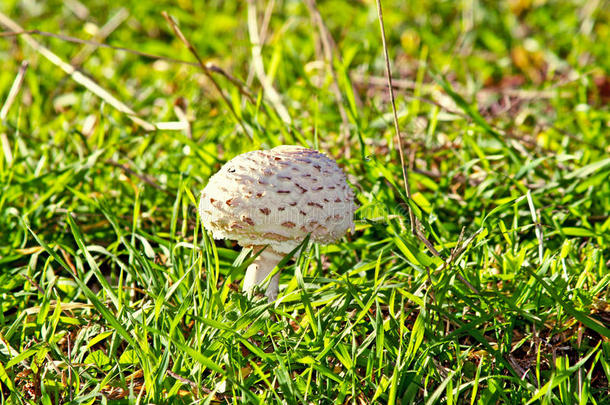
<point>277,197</point>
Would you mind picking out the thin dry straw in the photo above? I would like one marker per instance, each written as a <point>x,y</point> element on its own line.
<point>328,44</point>
<point>10,99</point>
<point>75,74</point>
<point>210,66</point>
<point>12,94</point>
<point>414,222</point>
<point>170,20</point>
<point>395,115</point>
<point>259,68</point>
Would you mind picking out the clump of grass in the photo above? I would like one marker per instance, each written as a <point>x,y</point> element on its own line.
<point>111,292</point>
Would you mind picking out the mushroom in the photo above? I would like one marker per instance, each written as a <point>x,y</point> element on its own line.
<point>271,200</point>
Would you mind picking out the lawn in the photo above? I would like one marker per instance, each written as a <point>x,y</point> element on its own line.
<point>482,279</point>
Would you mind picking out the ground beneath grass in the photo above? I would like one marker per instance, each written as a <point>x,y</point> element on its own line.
<point>497,292</point>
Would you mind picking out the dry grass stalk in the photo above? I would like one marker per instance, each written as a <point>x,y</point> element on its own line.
<point>259,68</point>
<point>75,74</point>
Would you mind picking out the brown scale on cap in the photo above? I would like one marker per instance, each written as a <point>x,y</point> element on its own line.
<point>256,184</point>
<point>275,236</point>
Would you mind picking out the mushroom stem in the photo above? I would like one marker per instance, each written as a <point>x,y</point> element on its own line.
<point>260,268</point>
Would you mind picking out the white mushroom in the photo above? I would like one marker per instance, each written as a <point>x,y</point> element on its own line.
<point>273,200</point>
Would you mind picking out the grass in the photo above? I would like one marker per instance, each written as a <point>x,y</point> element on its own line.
<point>111,292</point>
